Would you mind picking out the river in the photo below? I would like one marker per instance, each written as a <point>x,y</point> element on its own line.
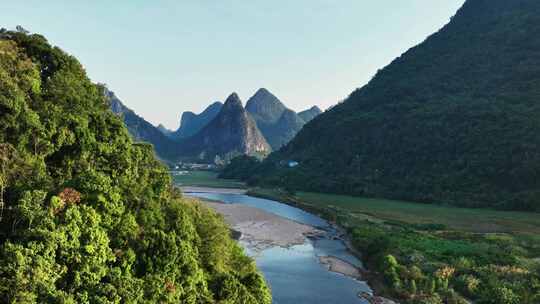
<point>295,273</point>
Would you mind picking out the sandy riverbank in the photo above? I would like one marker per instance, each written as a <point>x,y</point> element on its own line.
<point>345,268</point>
<point>260,229</point>
<point>192,189</point>
<point>371,298</point>
<point>340,266</point>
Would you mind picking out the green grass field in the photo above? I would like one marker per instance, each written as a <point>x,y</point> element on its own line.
<point>205,179</point>
<point>465,219</point>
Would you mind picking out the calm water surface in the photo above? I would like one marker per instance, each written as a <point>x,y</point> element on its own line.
<point>295,274</point>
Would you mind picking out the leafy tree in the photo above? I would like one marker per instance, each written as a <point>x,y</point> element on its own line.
<point>240,167</point>
<point>88,215</point>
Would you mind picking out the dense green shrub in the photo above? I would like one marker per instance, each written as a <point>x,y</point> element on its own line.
<point>425,267</point>
<point>241,167</point>
<point>88,216</point>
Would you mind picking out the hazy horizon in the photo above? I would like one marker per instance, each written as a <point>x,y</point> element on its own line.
<point>166,58</point>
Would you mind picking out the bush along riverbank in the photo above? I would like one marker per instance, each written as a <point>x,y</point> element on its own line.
<point>431,263</point>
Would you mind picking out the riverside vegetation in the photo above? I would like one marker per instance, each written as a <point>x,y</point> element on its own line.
<point>488,256</point>
<point>86,214</point>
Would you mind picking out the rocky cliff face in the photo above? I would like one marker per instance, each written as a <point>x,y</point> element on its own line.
<point>232,132</point>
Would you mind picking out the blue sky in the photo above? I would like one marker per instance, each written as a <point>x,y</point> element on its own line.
<point>166,57</point>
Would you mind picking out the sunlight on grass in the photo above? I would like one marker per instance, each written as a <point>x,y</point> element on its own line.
<point>205,179</point>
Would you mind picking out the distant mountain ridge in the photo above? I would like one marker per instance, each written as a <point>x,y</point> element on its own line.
<point>219,133</point>
<point>140,129</point>
<point>265,106</point>
<point>287,126</point>
<point>191,123</point>
<point>231,133</point>
<point>310,114</point>
<point>164,130</point>
<point>277,123</point>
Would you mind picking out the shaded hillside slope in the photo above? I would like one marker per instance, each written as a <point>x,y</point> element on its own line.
<point>454,120</point>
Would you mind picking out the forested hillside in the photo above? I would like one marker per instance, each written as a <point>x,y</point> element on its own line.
<point>142,130</point>
<point>454,120</point>
<point>86,215</point>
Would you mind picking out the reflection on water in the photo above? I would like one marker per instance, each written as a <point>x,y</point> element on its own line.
<point>336,248</point>
<point>295,274</point>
